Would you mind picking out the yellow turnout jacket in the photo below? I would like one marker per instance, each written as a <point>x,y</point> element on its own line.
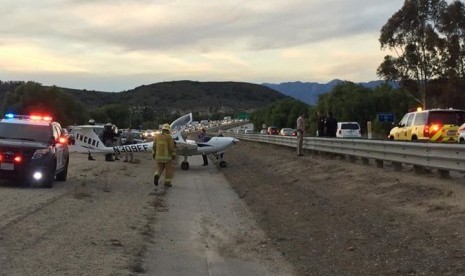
<point>164,148</point>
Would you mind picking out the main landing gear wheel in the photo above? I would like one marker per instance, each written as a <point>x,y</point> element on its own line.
<point>222,164</point>
<point>185,165</point>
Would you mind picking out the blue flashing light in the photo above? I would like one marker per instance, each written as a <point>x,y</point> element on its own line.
<point>9,115</point>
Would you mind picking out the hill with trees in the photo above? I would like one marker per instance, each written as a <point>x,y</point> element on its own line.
<point>146,106</point>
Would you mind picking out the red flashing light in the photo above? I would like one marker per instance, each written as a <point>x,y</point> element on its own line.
<point>431,129</point>
<point>36,117</point>
<point>40,118</point>
<point>1,158</point>
<point>18,159</point>
<point>435,128</point>
<point>62,140</point>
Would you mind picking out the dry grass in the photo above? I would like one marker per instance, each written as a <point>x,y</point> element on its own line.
<point>82,191</point>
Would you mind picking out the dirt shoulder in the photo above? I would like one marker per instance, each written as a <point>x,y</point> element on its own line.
<point>332,217</point>
<point>98,222</point>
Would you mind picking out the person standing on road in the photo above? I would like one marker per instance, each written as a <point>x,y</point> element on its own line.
<point>300,133</point>
<point>202,138</point>
<point>116,139</point>
<point>90,157</point>
<point>164,153</point>
<point>331,125</point>
<point>321,120</point>
<point>108,137</point>
<point>220,134</point>
<point>129,156</point>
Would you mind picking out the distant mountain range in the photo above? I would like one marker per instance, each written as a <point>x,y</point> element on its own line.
<point>308,92</point>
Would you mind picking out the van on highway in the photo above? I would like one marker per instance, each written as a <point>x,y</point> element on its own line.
<point>435,125</point>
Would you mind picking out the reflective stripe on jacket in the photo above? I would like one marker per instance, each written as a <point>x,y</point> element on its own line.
<point>163,147</point>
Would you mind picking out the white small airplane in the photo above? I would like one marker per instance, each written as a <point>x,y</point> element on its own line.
<point>87,141</point>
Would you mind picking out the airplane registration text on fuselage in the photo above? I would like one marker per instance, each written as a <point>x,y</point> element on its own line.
<point>131,148</point>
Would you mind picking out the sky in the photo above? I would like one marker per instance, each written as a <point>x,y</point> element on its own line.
<point>117,45</point>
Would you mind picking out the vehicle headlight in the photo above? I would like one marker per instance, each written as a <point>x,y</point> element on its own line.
<point>41,153</point>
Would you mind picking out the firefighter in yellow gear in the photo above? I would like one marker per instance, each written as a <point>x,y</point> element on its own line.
<point>164,153</point>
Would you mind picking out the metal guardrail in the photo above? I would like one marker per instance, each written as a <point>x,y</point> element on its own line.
<point>444,157</point>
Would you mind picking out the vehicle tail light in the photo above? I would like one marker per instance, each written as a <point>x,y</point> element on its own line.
<point>1,158</point>
<point>62,140</point>
<point>18,159</point>
<point>431,129</point>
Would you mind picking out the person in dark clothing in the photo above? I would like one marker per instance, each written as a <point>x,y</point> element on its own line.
<point>331,125</point>
<point>90,157</point>
<point>108,135</point>
<point>202,138</point>
<point>321,120</point>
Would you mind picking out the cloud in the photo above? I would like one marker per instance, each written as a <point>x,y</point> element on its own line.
<point>161,25</point>
<point>156,40</point>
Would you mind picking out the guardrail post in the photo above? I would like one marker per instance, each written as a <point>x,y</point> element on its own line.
<point>397,166</point>
<point>365,160</point>
<point>443,173</point>
<point>369,130</point>
<point>379,163</point>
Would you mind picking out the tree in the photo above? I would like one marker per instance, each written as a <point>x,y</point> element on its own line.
<point>452,25</point>
<point>412,34</point>
<point>33,98</point>
<point>352,102</point>
<point>282,113</point>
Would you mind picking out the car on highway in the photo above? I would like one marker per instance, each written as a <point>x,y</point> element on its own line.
<point>248,131</point>
<point>272,130</point>
<point>286,131</point>
<point>348,130</point>
<point>435,125</point>
<point>263,131</point>
<point>33,149</point>
<point>137,135</point>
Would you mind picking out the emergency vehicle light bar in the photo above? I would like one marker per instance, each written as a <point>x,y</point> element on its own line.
<point>28,117</point>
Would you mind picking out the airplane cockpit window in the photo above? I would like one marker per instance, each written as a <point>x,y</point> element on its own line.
<point>181,122</point>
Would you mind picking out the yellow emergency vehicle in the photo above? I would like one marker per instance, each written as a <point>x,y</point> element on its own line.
<point>435,125</point>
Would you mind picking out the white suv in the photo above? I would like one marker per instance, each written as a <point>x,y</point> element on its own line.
<point>348,130</point>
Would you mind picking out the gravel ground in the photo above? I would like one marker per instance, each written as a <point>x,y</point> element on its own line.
<point>334,217</point>
<point>98,222</point>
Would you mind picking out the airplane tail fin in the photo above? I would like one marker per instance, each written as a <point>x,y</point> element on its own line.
<point>86,140</point>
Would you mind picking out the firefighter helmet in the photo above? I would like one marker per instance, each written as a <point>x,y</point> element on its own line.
<point>166,127</point>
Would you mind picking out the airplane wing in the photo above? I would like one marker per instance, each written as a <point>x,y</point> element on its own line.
<point>186,148</point>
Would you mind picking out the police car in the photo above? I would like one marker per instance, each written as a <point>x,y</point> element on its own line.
<point>33,149</point>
